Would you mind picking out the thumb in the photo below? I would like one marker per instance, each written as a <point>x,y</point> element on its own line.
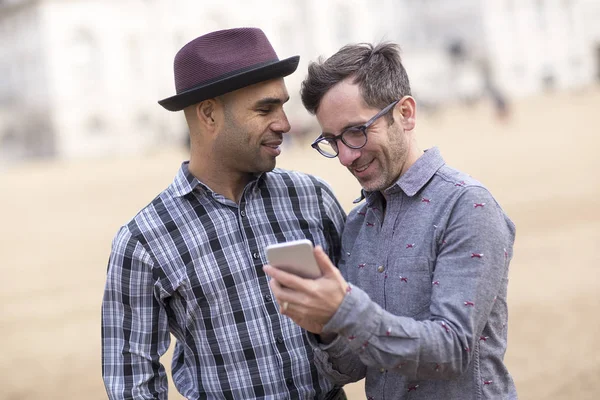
<point>325,264</point>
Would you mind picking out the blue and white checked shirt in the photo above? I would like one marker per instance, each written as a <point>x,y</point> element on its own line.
<point>190,264</point>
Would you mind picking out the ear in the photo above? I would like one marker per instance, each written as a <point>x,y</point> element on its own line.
<point>206,114</point>
<point>408,112</point>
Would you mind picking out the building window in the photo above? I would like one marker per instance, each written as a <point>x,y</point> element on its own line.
<point>96,126</point>
<point>86,57</point>
<point>345,23</point>
<point>135,57</point>
<point>540,10</point>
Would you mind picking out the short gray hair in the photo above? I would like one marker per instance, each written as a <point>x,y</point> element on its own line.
<point>377,69</point>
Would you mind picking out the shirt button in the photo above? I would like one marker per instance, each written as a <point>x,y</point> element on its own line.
<point>243,213</point>
<point>255,255</point>
<point>268,297</point>
<point>382,370</point>
<point>381,268</point>
<point>289,381</point>
<point>279,339</point>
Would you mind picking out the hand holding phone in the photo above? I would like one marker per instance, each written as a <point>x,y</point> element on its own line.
<point>295,257</point>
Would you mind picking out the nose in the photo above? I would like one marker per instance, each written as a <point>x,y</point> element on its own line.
<point>347,155</point>
<point>281,124</point>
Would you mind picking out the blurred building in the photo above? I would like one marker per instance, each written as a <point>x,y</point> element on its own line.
<point>80,78</point>
<point>457,49</point>
<point>536,45</point>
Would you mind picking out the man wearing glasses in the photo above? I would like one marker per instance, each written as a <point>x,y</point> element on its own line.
<point>418,305</point>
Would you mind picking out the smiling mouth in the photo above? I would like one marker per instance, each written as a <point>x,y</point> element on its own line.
<point>363,168</point>
<point>273,144</point>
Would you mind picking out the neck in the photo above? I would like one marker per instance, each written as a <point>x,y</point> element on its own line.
<point>212,173</point>
<point>414,152</point>
<point>412,155</point>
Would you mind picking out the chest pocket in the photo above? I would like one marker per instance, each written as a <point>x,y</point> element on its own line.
<point>408,287</point>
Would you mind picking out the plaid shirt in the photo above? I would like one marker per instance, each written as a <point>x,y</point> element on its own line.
<point>190,264</point>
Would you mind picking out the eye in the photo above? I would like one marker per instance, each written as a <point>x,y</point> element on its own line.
<point>328,139</point>
<point>264,111</point>
<point>354,131</point>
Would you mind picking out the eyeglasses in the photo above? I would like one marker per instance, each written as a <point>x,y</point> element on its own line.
<point>354,137</point>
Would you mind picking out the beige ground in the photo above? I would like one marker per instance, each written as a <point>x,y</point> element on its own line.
<point>58,220</point>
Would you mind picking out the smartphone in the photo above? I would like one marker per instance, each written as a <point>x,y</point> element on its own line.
<point>295,257</point>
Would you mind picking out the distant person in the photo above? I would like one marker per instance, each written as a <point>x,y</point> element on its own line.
<point>500,104</point>
<point>499,99</point>
<point>419,308</point>
<point>190,262</point>
<point>460,59</point>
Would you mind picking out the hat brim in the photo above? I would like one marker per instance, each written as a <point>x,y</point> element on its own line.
<point>276,69</point>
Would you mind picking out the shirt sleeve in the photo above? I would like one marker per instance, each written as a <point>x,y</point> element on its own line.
<point>134,325</point>
<point>334,222</point>
<point>470,269</point>
<point>336,360</point>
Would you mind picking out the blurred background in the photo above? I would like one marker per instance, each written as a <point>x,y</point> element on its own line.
<point>509,90</point>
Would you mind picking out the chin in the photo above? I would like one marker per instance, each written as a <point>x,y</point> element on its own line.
<point>373,186</point>
<point>368,186</point>
<point>266,167</point>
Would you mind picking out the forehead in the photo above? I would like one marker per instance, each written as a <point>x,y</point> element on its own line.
<point>342,106</point>
<point>274,89</point>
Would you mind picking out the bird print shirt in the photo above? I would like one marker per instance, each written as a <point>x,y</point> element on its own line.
<point>425,314</point>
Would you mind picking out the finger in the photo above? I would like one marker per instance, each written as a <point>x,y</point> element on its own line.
<point>291,310</point>
<point>328,269</point>
<point>277,289</point>
<point>278,293</point>
<point>282,294</point>
<point>289,281</point>
<point>325,264</point>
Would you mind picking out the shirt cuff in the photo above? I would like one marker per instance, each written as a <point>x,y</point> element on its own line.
<point>336,348</point>
<point>355,321</point>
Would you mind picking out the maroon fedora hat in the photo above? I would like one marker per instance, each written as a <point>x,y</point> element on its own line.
<point>223,61</point>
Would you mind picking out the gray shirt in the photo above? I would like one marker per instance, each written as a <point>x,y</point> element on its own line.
<point>425,316</point>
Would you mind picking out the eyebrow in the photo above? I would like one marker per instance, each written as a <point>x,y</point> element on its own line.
<point>270,101</point>
<point>347,126</point>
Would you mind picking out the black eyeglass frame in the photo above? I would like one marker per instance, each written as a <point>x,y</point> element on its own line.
<point>363,128</point>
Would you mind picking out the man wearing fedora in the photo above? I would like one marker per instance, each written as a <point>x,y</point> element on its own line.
<point>190,262</point>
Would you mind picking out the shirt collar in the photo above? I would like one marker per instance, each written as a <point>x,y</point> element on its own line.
<point>417,175</point>
<point>421,172</point>
<point>185,183</point>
